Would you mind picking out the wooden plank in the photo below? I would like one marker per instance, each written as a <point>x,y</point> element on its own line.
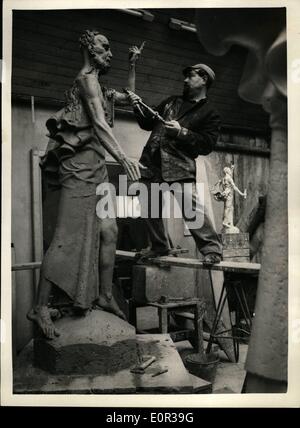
<point>190,303</point>
<point>26,266</point>
<point>226,266</point>
<point>252,268</point>
<point>37,213</point>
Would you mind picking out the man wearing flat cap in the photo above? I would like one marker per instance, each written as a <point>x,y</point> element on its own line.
<point>187,126</point>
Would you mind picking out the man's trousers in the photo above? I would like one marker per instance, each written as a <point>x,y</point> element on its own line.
<point>192,206</point>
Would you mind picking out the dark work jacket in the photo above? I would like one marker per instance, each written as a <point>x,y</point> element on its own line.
<point>174,157</point>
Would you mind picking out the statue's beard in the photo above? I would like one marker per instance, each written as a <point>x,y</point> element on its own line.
<point>100,64</point>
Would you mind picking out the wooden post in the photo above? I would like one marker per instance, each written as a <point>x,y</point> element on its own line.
<point>198,323</point>
<point>14,304</point>
<point>37,211</point>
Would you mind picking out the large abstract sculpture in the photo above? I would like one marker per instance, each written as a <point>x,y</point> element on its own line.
<point>262,32</point>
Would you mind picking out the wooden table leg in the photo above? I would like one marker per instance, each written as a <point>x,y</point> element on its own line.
<point>163,320</point>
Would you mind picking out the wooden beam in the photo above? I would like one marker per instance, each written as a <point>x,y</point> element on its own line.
<point>26,266</point>
<point>245,267</point>
<point>237,267</point>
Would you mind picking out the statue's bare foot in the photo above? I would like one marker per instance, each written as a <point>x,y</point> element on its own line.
<point>110,305</point>
<point>41,315</point>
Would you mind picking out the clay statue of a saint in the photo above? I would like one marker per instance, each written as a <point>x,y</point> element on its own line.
<point>80,260</point>
<point>224,190</point>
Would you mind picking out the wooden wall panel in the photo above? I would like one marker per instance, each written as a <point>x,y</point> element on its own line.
<point>46,58</point>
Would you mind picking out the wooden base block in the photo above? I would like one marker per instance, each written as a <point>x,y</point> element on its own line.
<point>235,247</point>
<point>235,240</point>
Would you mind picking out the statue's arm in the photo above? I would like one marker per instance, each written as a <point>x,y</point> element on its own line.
<point>236,188</point>
<point>134,54</point>
<point>89,90</point>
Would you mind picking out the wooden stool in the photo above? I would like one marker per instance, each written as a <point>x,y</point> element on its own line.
<point>196,305</point>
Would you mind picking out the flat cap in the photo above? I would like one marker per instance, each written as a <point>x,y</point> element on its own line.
<point>203,67</point>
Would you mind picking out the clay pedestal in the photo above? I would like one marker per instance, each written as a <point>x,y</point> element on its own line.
<point>33,380</point>
<point>99,343</point>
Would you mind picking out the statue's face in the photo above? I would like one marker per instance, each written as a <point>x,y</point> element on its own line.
<point>227,170</point>
<point>101,53</point>
<point>193,83</point>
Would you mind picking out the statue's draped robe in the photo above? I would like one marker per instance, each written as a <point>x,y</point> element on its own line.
<point>75,161</point>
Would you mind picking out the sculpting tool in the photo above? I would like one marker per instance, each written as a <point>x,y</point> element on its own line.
<point>141,368</point>
<point>159,372</point>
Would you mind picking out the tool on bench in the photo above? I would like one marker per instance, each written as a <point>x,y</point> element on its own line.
<point>140,369</point>
<point>167,299</point>
<point>160,371</point>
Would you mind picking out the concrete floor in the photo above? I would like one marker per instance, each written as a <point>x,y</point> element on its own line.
<point>230,376</point>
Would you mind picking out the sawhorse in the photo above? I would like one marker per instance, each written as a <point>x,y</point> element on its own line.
<point>236,286</point>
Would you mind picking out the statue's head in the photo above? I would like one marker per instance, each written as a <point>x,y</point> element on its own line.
<point>228,170</point>
<point>97,47</point>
